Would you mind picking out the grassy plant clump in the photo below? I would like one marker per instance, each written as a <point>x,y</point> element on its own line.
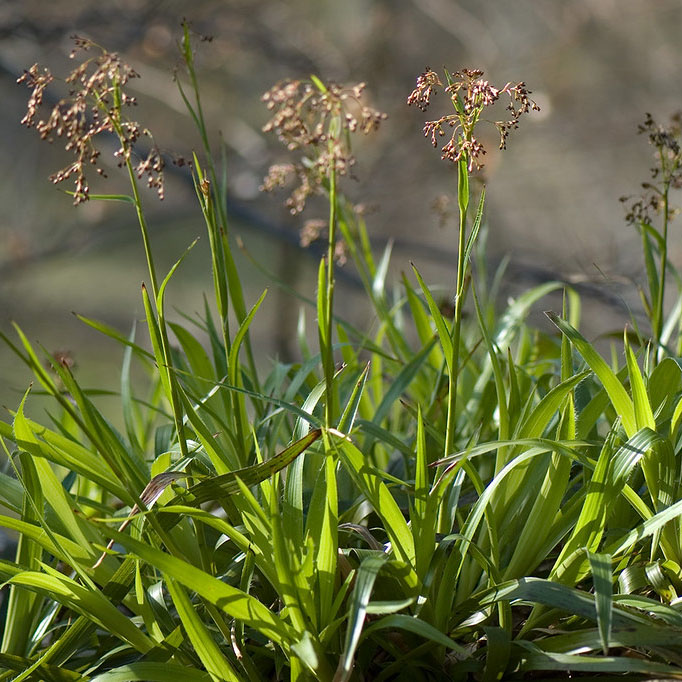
<point>450,496</point>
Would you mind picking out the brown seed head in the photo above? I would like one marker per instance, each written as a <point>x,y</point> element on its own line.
<point>666,173</point>
<point>94,106</point>
<point>317,119</point>
<point>470,94</point>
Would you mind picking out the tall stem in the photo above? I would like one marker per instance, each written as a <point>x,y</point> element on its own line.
<point>658,331</point>
<point>327,349</point>
<point>142,221</point>
<point>463,202</point>
<point>115,119</point>
<point>223,261</point>
<point>173,397</point>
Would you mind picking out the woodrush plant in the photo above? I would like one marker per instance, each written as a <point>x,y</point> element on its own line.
<point>486,503</point>
<point>642,214</point>
<point>469,95</point>
<point>319,119</point>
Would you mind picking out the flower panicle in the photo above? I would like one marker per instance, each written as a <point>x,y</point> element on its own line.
<point>93,106</point>
<point>665,174</point>
<point>426,88</point>
<point>470,95</point>
<point>318,119</point>
<point>667,142</point>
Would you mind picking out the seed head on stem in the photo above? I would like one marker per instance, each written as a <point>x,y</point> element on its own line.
<point>470,95</point>
<point>318,120</point>
<point>94,106</point>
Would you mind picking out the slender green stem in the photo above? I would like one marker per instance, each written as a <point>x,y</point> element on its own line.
<point>143,230</point>
<point>176,403</point>
<point>115,119</point>
<point>658,320</point>
<point>328,359</point>
<point>197,113</point>
<point>463,200</point>
<point>222,254</point>
<point>220,287</point>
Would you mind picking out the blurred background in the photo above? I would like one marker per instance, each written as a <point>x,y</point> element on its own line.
<point>594,66</point>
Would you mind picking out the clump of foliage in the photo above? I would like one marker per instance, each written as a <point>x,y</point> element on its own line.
<point>478,501</point>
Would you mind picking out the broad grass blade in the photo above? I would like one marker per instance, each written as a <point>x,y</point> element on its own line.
<point>234,602</point>
<point>602,579</point>
<point>619,398</point>
<point>364,584</point>
<point>201,638</point>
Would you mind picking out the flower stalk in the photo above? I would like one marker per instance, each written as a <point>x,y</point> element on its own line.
<point>469,95</point>
<point>318,119</point>
<point>95,106</point>
<point>642,211</point>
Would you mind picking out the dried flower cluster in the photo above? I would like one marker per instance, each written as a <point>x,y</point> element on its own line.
<point>94,106</point>
<point>470,95</point>
<point>316,118</point>
<point>666,174</point>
